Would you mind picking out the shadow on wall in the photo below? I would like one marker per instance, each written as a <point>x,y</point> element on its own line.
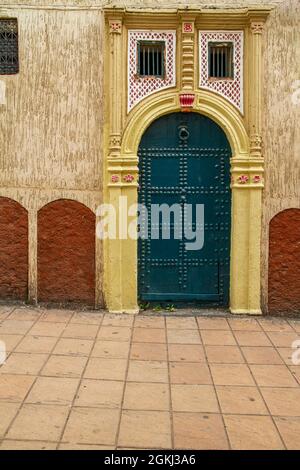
<point>284,263</point>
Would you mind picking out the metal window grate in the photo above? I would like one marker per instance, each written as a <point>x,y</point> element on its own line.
<point>220,60</point>
<point>151,58</point>
<point>9,61</point>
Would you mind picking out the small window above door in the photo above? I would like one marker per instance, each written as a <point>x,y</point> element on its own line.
<point>220,60</point>
<point>151,59</point>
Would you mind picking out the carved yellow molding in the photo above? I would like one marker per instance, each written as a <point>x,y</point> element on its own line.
<point>243,133</point>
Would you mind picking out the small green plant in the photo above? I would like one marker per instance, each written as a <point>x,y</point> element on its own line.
<point>157,308</point>
<point>170,308</point>
<point>144,305</point>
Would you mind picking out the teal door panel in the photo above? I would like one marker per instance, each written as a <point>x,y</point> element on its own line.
<point>184,160</point>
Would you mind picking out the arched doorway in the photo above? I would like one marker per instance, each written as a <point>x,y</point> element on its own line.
<point>184,162</point>
<point>284,263</point>
<point>66,253</point>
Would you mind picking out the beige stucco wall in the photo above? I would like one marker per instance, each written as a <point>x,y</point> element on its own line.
<point>51,124</point>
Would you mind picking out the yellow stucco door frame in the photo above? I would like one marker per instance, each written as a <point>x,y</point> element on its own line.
<point>124,131</point>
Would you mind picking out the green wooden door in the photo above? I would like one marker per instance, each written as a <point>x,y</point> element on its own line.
<point>185,160</point>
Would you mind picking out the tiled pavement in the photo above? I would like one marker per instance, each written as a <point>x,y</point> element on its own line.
<point>86,380</point>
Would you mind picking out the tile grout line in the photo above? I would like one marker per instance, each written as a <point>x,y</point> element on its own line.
<point>36,377</point>
<point>170,387</point>
<point>214,387</point>
<point>259,391</point>
<point>117,436</point>
<point>71,405</point>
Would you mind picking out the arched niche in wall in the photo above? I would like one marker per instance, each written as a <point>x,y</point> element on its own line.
<point>66,253</point>
<point>284,263</point>
<point>13,250</point>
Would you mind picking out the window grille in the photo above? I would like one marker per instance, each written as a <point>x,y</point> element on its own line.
<point>220,60</point>
<point>9,62</point>
<point>151,58</point>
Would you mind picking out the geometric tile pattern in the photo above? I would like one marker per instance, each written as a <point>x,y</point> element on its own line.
<point>140,87</point>
<point>231,89</point>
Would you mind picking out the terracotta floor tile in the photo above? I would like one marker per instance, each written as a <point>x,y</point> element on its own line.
<point>10,341</point>
<point>231,374</point>
<point>199,431</point>
<point>275,324</point>
<point>183,336</point>
<point>6,309</point>
<point>146,396</point>
<point>148,351</point>
<point>295,324</point>
<point>64,366</point>
<point>100,393</point>
<point>149,322</point>
<point>261,355</point>
<point>252,433</point>
<point>194,398</point>
<point>217,338</point>
<point>15,327</point>
<point>289,429</point>
<point>282,401</point>
<point>56,315</point>
<point>215,323</point>
<point>189,373</point>
<point>181,323</point>
<point>273,376</point>
<point>39,422</point>
<point>24,363</point>
<point>7,413</point>
<point>41,328</point>
<point>14,388</point>
<point>186,352</point>
<point>27,314</point>
<point>244,324</point>
<point>73,347</point>
<point>241,400</point>
<point>84,447</point>
<point>283,339</point>
<point>111,349</point>
<point>149,335</point>
<point>118,320</point>
<point>107,369</point>
<point>92,426</point>
<point>224,355</point>
<point>114,333</point>
<point>53,391</point>
<point>145,429</point>
<point>148,371</point>
<point>87,318</point>
<point>74,330</point>
<point>295,371</point>
<point>287,355</point>
<point>27,445</point>
<point>252,338</point>
<point>36,344</point>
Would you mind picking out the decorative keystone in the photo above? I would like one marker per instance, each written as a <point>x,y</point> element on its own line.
<point>186,100</point>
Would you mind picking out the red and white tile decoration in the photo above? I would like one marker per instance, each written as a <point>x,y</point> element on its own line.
<point>232,90</point>
<point>140,87</point>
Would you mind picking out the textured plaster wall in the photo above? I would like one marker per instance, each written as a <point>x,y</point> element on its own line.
<point>51,124</point>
